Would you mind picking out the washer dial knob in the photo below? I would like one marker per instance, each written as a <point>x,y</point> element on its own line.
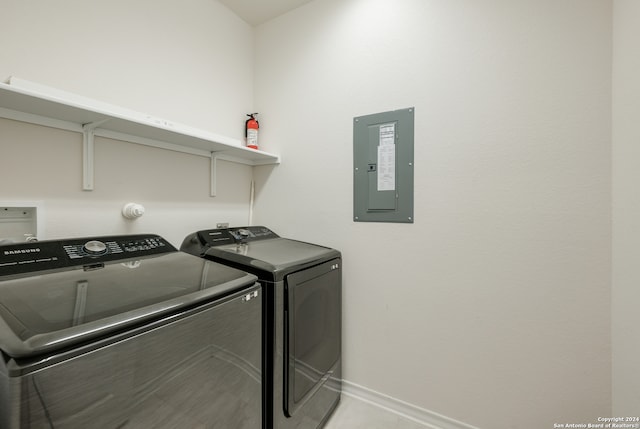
<point>95,247</point>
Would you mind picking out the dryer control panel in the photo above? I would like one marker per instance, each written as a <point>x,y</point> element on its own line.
<point>92,251</point>
<point>244,234</point>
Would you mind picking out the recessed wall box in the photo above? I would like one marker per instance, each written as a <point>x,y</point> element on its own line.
<point>383,167</point>
<point>20,221</point>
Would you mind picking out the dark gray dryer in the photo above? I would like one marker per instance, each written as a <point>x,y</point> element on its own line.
<point>302,285</point>
<point>126,332</point>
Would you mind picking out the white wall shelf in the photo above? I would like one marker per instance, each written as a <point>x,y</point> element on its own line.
<point>30,102</point>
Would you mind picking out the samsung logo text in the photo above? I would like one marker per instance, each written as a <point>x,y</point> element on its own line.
<point>21,251</point>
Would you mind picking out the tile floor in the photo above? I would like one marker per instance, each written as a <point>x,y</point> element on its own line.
<point>353,413</point>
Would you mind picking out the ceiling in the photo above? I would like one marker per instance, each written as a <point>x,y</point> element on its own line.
<point>255,12</point>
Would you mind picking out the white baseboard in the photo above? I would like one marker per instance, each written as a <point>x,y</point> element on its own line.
<point>419,415</point>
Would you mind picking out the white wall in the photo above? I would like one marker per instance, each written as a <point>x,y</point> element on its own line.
<point>189,62</point>
<point>493,308</point>
<point>626,207</point>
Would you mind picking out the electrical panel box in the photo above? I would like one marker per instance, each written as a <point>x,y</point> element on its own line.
<point>383,167</point>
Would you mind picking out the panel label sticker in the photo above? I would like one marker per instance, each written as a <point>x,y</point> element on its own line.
<point>387,158</point>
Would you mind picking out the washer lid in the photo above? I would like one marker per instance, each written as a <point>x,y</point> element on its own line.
<point>43,311</point>
<point>279,255</point>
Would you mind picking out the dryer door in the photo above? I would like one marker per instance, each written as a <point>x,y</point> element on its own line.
<point>313,307</point>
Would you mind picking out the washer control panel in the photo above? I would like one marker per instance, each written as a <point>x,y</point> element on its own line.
<point>115,246</point>
<point>54,254</point>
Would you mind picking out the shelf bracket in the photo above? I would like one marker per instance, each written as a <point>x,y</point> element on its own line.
<point>214,174</point>
<point>87,159</point>
<point>88,144</point>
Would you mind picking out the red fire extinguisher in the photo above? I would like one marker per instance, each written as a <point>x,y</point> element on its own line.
<point>251,130</point>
